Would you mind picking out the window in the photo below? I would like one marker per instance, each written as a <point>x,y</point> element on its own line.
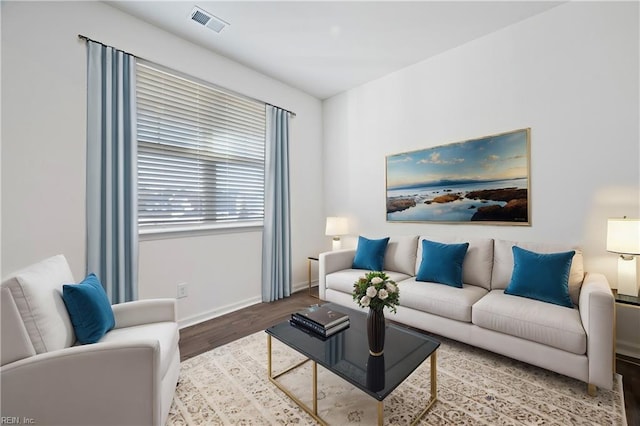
<point>200,154</point>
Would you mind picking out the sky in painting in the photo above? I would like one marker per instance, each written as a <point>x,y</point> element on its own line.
<point>486,159</point>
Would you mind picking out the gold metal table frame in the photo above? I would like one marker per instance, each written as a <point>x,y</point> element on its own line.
<point>313,411</point>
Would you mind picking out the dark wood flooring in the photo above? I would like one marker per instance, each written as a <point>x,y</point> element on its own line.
<point>219,331</point>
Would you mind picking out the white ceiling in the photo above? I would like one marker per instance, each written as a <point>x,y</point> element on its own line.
<point>326,47</point>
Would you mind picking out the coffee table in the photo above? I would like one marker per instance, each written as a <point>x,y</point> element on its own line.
<point>346,354</point>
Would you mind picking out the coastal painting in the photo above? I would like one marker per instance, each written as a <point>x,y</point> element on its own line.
<point>483,180</point>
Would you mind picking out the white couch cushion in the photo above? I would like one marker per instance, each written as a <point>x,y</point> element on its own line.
<point>343,280</point>
<point>478,261</point>
<point>166,333</point>
<point>37,293</point>
<point>529,319</point>
<point>503,264</point>
<point>16,344</point>
<point>440,299</point>
<point>401,254</point>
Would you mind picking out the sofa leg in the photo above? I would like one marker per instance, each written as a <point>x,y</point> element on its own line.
<point>591,389</point>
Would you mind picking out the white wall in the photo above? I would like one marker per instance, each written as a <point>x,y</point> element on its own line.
<point>571,74</point>
<point>43,155</point>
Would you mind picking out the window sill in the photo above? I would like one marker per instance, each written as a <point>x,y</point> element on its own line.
<point>161,233</point>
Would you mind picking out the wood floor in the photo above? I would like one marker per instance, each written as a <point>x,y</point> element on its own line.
<point>219,331</point>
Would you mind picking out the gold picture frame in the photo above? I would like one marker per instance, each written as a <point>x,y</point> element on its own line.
<point>483,180</point>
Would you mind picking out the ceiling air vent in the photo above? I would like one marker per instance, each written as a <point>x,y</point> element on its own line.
<point>208,20</point>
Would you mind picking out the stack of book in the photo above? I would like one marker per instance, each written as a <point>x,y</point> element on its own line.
<point>320,320</point>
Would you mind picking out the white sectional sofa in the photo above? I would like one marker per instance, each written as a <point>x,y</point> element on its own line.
<point>576,342</point>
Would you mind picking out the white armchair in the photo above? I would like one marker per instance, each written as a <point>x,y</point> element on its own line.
<point>127,378</point>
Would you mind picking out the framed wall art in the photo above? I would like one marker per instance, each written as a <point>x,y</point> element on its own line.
<point>483,180</point>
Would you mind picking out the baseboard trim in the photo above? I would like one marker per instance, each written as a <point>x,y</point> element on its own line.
<point>626,348</point>
<point>303,286</point>
<point>214,313</point>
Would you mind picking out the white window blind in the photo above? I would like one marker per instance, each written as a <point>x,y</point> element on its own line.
<point>200,153</point>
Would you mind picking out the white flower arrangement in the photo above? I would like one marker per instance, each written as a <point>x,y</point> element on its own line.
<point>376,290</point>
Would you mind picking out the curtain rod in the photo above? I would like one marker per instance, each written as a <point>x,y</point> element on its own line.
<point>293,114</point>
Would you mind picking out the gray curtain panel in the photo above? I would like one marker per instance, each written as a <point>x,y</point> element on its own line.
<point>112,229</point>
<point>276,236</point>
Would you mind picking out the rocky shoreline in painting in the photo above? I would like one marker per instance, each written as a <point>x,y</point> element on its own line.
<point>515,209</point>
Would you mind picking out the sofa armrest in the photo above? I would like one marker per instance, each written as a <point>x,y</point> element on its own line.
<point>333,261</point>
<point>144,312</point>
<point>82,385</point>
<point>596,306</point>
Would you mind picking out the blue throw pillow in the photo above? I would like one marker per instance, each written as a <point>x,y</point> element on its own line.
<point>543,277</point>
<point>442,263</point>
<point>89,309</point>
<point>370,254</point>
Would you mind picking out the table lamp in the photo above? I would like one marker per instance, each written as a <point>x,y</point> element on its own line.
<point>623,237</point>
<point>336,226</point>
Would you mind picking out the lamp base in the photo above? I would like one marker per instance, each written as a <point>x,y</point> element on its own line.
<point>336,244</point>
<point>627,281</point>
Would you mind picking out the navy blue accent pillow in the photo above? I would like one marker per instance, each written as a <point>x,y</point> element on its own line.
<point>442,263</point>
<point>89,309</point>
<point>543,277</point>
<point>370,254</point>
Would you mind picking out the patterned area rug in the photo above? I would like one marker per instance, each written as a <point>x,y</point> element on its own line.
<point>229,386</point>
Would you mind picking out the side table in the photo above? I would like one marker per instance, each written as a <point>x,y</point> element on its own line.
<point>309,260</point>
<point>626,300</point>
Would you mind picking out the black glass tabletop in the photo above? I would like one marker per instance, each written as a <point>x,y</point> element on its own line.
<point>346,353</point>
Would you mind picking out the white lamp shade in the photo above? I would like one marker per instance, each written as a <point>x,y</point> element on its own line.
<point>623,236</point>
<point>336,226</point>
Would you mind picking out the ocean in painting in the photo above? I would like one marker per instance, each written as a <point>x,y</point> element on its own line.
<point>460,210</point>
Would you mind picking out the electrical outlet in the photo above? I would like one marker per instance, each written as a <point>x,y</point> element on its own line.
<point>182,290</point>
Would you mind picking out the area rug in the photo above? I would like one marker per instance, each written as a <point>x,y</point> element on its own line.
<point>229,386</point>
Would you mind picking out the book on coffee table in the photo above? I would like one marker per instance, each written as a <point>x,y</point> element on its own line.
<point>320,320</point>
<point>323,316</point>
<point>315,329</point>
